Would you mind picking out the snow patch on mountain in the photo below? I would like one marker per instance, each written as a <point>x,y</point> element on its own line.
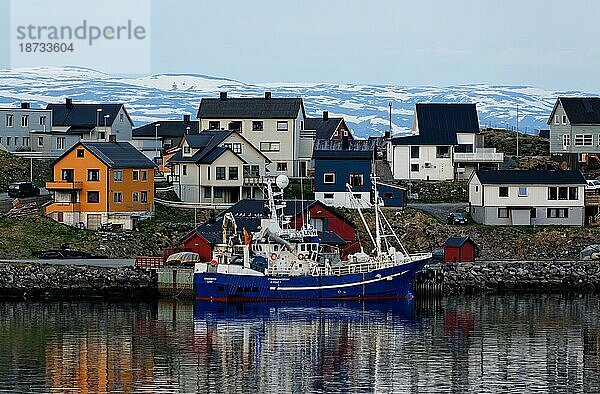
<point>364,107</point>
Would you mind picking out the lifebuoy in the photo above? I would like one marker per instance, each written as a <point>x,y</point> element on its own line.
<point>213,262</point>
<point>273,256</point>
<point>300,256</point>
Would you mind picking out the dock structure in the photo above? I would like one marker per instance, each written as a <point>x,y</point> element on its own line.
<point>176,282</point>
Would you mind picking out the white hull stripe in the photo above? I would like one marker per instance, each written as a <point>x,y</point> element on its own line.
<point>366,282</point>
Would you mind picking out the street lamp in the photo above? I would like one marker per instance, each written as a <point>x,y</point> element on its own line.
<point>98,110</point>
<point>105,119</point>
<point>156,126</point>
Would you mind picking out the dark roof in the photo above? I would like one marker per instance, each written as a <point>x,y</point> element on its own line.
<point>438,124</point>
<point>167,128</point>
<point>530,177</point>
<point>250,108</point>
<point>84,114</point>
<point>580,110</point>
<point>324,129</point>
<point>334,149</point>
<point>116,154</point>
<point>248,214</point>
<point>208,142</point>
<point>457,242</point>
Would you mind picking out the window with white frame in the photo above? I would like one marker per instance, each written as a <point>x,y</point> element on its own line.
<point>144,196</point>
<point>282,167</point>
<point>24,120</point>
<point>522,191</point>
<point>282,125</point>
<point>118,176</point>
<point>42,120</point>
<point>117,197</point>
<point>502,213</point>
<point>60,143</point>
<point>329,177</point>
<point>564,119</point>
<point>9,120</point>
<point>269,146</point>
<point>566,140</point>
<point>237,148</point>
<point>135,197</point>
<point>356,180</point>
<point>584,140</point>
<point>40,141</point>
<point>557,119</point>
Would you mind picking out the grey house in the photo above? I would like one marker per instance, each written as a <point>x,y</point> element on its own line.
<point>575,131</point>
<point>273,125</point>
<point>72,122</point>
<point>527,197</point>
<point>22,127</point>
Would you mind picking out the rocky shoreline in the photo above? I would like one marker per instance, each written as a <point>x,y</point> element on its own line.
<point>31,281</point>
<point>509,276</point>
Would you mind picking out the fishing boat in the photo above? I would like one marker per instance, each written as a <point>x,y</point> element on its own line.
<point>279,262</point>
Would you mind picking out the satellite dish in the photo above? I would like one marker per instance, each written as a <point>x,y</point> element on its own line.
<point>282,181</point>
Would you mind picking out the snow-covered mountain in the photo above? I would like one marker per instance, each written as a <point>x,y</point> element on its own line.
<point>365,107</point>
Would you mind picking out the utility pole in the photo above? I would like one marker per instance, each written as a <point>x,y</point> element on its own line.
<point>390,104</point>
<point>517,130</point>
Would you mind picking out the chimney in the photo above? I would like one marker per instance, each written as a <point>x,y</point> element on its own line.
<point>24,105</point>
<point>186,118</point>
<point>267,95</point>
<point>325,116</point>
<point>223,96</point>
<point>112,138</point>
<point>69,103</point>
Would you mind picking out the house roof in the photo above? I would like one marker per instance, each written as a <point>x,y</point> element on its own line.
<point>324,129</point>
<point>579,110</point>
<point>167,128</point>
<point>334,149</point>
<point>76,114</point>
<point>457,242</point>
<point>250,108</point>
<point>438,124</point>
<point>209,144</point>
<point>530,177</point>
<point>115,154</point>
<point>248,214</point>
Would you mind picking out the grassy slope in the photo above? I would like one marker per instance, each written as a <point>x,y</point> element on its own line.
<point>506,142</point>
<point>13,168</point>
<point>20,237</point>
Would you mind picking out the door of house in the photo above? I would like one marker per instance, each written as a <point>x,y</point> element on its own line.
<point>94,221</point>
<point>234,194</point>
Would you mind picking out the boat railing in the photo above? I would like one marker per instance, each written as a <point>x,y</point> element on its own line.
<point>359,268</point>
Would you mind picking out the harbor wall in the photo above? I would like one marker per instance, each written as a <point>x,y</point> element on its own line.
<point>508,276</point>
<point>70,281</point>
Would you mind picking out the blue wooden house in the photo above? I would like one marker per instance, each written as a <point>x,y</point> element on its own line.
<point>341,163</point>
<point>392,195</point>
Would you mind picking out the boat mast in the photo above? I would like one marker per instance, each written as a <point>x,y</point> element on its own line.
<point>377,224</point>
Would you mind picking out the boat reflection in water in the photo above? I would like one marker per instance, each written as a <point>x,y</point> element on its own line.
<point>321,346</point>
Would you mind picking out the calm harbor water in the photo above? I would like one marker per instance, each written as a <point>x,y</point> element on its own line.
<point>533,343</point>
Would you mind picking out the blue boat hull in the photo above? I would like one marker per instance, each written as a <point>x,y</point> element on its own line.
<point>385,283</point>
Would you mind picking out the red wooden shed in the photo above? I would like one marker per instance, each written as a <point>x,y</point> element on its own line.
<point>459,250</point>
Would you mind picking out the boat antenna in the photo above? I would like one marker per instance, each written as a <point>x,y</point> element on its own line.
<point>386,221</point>
<point>377,221</point>
<point>362,217</point>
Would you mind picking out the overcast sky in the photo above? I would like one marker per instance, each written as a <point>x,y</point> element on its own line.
<point>550,43</point>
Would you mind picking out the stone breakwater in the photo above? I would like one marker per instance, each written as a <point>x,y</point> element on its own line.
<point>49,281</point>
<point>507,276</point>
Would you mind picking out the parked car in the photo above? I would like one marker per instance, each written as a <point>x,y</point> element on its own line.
<point>438,254</point>
<point>456,218</point>
<point>23,189</point>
